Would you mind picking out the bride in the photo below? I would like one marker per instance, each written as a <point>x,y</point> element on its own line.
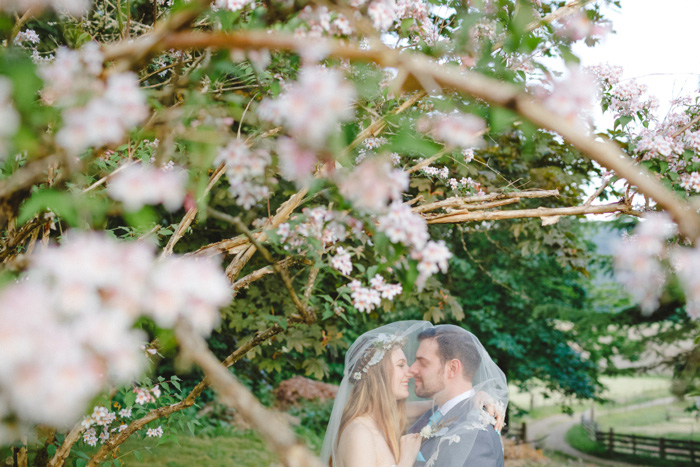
<point>371,412</point>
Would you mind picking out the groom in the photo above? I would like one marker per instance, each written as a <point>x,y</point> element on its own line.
<point>446,362</point>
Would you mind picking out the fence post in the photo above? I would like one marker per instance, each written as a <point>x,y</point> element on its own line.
<point>634,445</point>
<point>611,441</point>
<point>692,452</point>
<point>523,433</point>
<point>662,448</point>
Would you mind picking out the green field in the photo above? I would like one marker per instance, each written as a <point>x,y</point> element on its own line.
<point>620,391</point>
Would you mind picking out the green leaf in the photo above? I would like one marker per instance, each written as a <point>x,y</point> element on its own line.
<point>138,455</point>
<point>501,118</point>
<point>372,271</point>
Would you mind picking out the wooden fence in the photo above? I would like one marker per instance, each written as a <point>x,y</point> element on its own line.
<point>518,433</point>
<point>662,448</point>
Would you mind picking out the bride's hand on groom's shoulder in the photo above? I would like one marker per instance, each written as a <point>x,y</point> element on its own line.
<point>486,402</point>
<point>409,446</point>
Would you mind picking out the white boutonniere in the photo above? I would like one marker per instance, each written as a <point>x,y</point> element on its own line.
<point>439,429</point>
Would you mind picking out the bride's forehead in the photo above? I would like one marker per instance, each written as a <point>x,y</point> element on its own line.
<point>398,354</point>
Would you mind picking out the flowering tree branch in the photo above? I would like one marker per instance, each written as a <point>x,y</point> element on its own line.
<point>276,433</point>
<point>477,85</point>
<point>63,451</point>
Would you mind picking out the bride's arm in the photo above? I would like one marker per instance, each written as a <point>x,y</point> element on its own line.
<point>356,447</point>
<point>415,409</point>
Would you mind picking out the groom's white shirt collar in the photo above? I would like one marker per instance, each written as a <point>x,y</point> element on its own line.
<point>447,406</point>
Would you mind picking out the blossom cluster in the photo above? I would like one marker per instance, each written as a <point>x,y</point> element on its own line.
<point>76,333</point>
<point>341,261</point>
<point>138,185</point>
<point>245,171</point>
<point>320,21</point>
<point>9,118</point>
<point>296,163</point>
<point>637,260</point>
<point>231,5</point>
<point>368,151</point>
<point>578,26</point>
<point>464,183</point>
<point>455,129</point>
<point>312,107</point>
<point>73,7</point>
<point>325,226</point>
<point>638,264</point>
<point>572,97</point>
<point>113,107</point>
<point>373,184</point>
<point>366,299</point>
<point>686,262</point>
<point>401,225</point>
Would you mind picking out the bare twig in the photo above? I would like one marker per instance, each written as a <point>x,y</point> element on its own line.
<point>462,201</point>
<point>597,193</point>
<point>457,218</point>
<point>309,316</point>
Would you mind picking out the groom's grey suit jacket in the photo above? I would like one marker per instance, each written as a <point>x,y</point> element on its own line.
<point>486,452</point>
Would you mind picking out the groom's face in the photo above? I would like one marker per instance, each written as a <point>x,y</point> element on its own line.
<point>428,370</point>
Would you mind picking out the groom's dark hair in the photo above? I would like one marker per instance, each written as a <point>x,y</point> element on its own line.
<point>454,342</point>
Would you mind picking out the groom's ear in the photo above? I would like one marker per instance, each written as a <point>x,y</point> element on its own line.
<point>454,368</point>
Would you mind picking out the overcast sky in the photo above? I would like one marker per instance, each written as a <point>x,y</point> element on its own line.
<point>656,42</point>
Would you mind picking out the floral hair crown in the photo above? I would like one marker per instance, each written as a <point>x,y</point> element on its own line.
<point>375,353</point>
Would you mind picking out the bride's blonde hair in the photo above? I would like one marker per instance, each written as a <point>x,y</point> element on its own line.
<point>372,395</point>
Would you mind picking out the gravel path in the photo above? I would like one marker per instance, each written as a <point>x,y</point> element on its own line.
<point>552,431</point>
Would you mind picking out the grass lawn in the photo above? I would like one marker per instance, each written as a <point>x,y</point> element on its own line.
<point>241,448</point>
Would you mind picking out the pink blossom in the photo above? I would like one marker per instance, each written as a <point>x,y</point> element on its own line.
<point>28,35</point>
<point>456,129</point>
<point>572,97</point>
<point>139,185</point>
<point>231,5</point>
<point>341,261</point>
<point>245,170</point>
<point>365,300</point>
<point>577,26</point>
<point>296,163</point>
<point>637,260</point>
<point>73,7</point>
<point>373,183</point>
<point>155,432</point>
<point>687,261</point>
<point>312,107</point>
<point>468,155</point>
<point>432,258</point>
<point>607,75</point>
<point>401,225</point>
<point>382,13</point>
<point>9,118</point>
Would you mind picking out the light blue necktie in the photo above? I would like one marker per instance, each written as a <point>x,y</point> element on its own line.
<point>434,420</point>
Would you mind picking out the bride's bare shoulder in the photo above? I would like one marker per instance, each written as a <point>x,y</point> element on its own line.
<point>360,430</point>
